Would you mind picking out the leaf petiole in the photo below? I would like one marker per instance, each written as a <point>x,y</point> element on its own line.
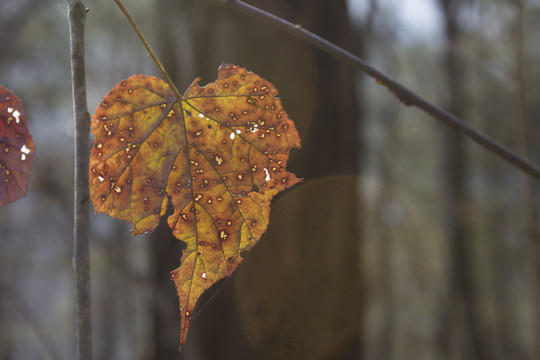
<point>149,50</point>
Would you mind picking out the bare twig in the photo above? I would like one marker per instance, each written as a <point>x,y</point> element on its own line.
<point>77,18</point>
<point>149,50</point>
<point>407,96</point>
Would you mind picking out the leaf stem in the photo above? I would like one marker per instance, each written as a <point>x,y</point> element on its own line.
<point>407,96</point>
<point>149,50</point>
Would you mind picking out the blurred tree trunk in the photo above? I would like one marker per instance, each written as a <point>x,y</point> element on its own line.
<point>461,315</point>
<point>386,347</point>
<point>332,141</point>
<point>332,145</point>
<point>460,300</point>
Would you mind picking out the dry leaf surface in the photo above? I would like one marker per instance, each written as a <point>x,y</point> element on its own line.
<point>16,148</point>
<point>217,157</point>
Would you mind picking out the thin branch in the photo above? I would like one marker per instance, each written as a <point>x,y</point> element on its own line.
<point>77,18</point>
<point>149,50</point>
<point>407,96</point>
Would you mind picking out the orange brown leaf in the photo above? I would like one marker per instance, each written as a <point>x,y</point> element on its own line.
<point>218,156</point>
<point>16,148</point>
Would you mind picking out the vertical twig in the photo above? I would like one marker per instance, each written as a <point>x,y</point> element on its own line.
<point>77,17</point>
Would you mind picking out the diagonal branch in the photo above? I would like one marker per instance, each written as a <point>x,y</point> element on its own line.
<point>407,96</point>
<point>77,18</point>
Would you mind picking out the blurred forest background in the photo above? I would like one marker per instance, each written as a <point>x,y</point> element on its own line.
<point>406,240</point>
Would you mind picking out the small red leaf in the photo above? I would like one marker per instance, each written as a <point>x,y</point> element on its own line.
<point>16,148</point>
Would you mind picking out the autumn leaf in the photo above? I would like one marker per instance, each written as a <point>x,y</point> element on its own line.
<point>16,148</point>
<point>218,156</point>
